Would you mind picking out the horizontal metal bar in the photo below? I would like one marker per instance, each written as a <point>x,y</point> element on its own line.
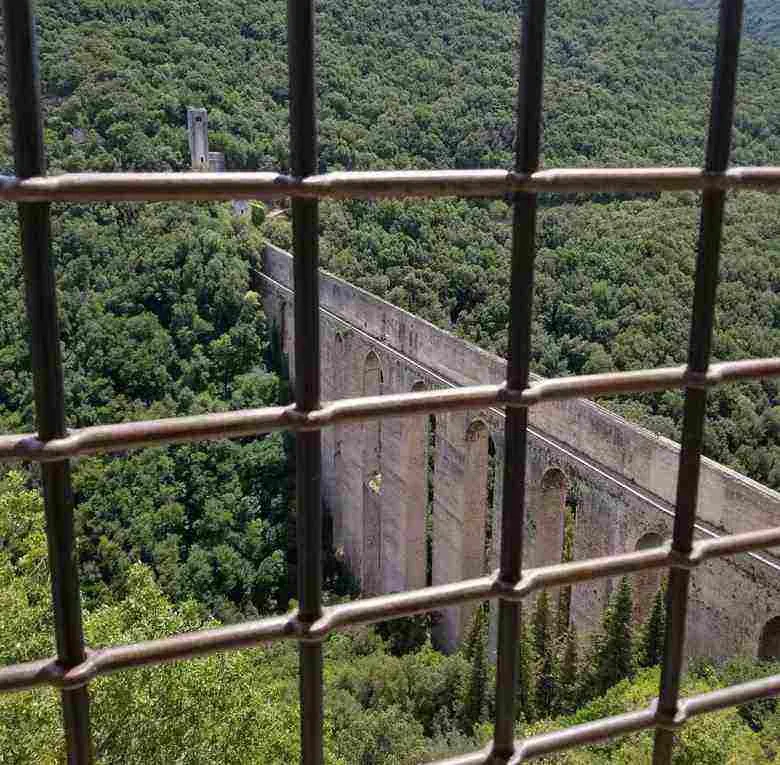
<point>631,722</point>
<point>248,422</point>
<point>370,610</point>
<point>398,184</point>
<point>729,697</point>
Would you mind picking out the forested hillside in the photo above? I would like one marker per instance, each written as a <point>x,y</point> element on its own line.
<point>158,320</point>
<point>383,706</point>
<point>762,17</point>
<point>627,83</point>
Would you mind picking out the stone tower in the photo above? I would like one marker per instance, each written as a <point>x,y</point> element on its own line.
<point>197,124</point>
<point>200,156</point>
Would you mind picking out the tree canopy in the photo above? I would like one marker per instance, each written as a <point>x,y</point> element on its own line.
<point>159,319</point>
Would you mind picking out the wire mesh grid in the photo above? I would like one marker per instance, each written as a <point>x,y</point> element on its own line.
<point>74,665</point>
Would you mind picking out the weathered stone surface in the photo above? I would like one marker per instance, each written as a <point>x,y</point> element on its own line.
<point>620,477</point>
<point>198,131</point>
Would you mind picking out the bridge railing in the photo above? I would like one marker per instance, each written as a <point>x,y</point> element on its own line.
<point>75,666</point>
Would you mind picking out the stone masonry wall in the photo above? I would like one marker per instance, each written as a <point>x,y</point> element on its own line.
<point>619,477</point>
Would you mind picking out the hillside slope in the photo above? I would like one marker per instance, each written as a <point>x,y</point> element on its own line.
<point>627,83</point>
<point>762,17</point>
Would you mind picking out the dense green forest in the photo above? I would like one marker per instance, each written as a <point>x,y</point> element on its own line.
<point>627,83</point>
<point>762,17</point>
<point>384,706</point>
<point>158,319</point>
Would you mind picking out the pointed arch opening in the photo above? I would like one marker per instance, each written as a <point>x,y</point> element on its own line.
<point>336,511</point>
<point>412,510</point>
<point>475,507</point>
<point>769,644</point>
<point>490,511</point>
<point>372,375</point>
<point>550,522</point>
<point>567,554</point>
<point>372,482</point>
<point>283,327</point>
<point>478,488</point>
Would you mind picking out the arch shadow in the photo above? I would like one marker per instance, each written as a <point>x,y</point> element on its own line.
<point>769,643</point>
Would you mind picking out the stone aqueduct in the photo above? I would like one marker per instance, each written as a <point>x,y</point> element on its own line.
<point>618,478</point>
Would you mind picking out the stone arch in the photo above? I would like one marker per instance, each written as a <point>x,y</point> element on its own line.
<point>371,574</point>
<point>553,477</point>
<point>490,508</point>
<point>405,524</point>
<point>372,375</point>
<point>649,540</point>
<point>646,583</point>
<point>431,445</point>
<point>476,429</point>
<point>550,521</point>
<point>338,391</point>
<point>769,644</point>
<point>286,336</point>
<point>475,506</point>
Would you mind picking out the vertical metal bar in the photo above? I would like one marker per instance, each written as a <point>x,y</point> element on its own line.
<point>718,148</point>
<point>27,128</point>
<point>308,458</point>
<point>529,113</point>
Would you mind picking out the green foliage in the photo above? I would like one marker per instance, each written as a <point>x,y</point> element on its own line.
<point>722,738</point>
<point>541,629</point>
<point>650,649</point>
<point>546,693</point>
<point>210,519</point>
<point>158,319</point>
<point>241,706</point>
<point>761,17</point>
<point>525,696</point>
<point>613,655</point>
<point>475,654</point>
<point>740,670</point>
<point>258,213</point>
<point>567,555</point>
<point>405,635</point>
<point>24,588</point>
<point>569,681</point>
<point>237,707</point>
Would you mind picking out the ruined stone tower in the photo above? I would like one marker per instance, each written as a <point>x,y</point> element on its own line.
<point>197,125</point>
<point>200,156</point>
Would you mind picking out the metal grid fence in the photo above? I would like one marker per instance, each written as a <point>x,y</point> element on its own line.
<point>75,665</point>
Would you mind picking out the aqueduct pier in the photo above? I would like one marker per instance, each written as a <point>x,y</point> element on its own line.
<point>614,479</point>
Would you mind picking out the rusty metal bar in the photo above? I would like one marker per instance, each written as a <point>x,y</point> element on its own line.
<point>41,296</point>
<point>308,456</point>
<point>376,184</point>
<point>527,139</point>
<point>370,610</point>
<point>240,423</point>
<point>703,319</point>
